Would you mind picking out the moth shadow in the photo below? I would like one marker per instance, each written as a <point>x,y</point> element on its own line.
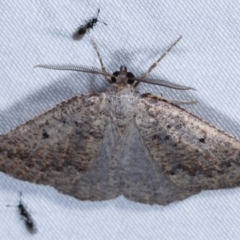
<point>61,89</point>
<point>74,84</point>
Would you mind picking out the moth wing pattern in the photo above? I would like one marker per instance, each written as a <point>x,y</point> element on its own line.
<point>192,154</point>
<point>137,176</point>
<point>57,147</point>
<point>96,183</point>
<point>160,153</point>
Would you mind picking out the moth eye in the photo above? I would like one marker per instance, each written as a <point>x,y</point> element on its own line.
<point>113,79</point>
<point>130,75</point>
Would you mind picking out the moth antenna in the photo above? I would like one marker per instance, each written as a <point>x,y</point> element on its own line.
<point>76,68</point>
<point>93,70</point>
<point>163,83</point>
<point>156,63</point>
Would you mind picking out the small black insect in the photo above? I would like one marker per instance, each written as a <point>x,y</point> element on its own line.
<point>89,24</point>
<point>25,215</point>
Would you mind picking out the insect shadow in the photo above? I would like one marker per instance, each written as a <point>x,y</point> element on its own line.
<point>77,35</point>
<point>25,215</point>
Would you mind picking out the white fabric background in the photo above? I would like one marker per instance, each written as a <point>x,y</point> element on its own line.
<point>207,58</point>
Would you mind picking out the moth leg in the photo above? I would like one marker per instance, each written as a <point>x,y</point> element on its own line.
<point>174,101</point>
<point>101,62</point>
<point>156,63</point>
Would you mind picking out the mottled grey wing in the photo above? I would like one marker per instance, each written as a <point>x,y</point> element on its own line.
<point>186,154</point>
<point>136,175</point>
<point>59,147</point>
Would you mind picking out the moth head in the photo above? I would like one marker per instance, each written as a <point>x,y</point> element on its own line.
<point>123,76</point>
